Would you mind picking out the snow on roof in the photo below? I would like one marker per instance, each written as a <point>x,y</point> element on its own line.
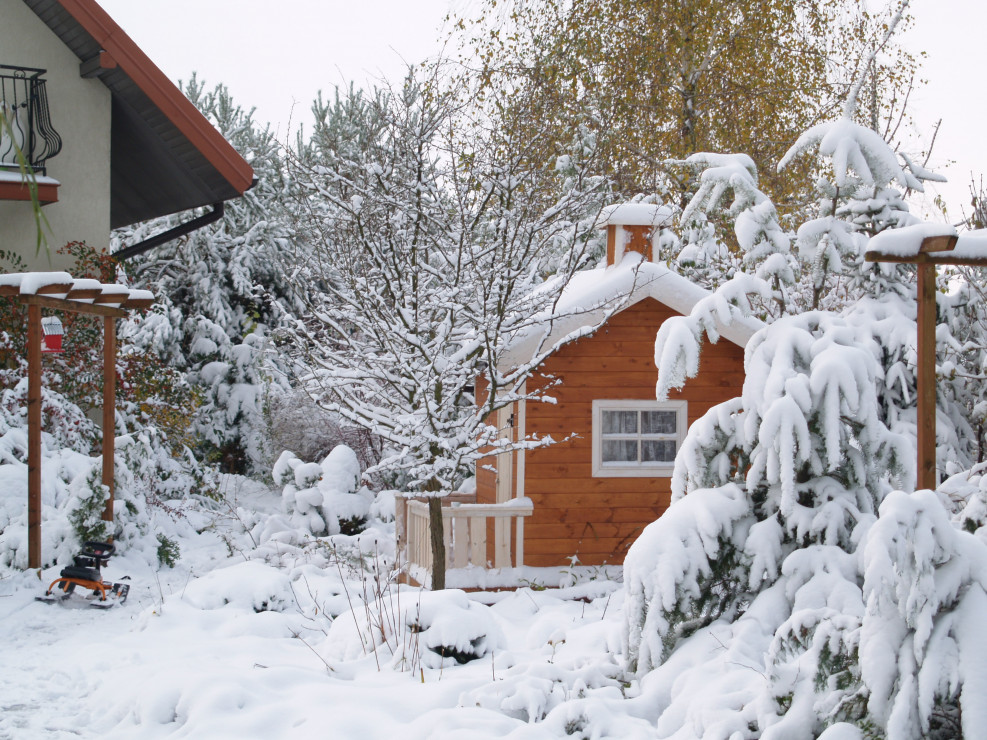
<point>907,242</point>
<point>77,290</point>
<point>30,283</point>
<point>592,295</point>
<point>635,214</point>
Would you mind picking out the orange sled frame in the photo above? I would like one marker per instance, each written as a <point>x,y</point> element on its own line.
<point>85,573</point>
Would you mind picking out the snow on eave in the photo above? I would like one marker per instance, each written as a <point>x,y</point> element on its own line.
<point>16,176</point>
<point>592,295</point>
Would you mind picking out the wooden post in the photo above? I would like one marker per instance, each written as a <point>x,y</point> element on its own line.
<point>926,376</point>
<point>109,408</point>
<point>34,436</point>
<point>933,250</point>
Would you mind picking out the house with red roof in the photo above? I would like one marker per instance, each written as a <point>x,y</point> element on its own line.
<point>109,139</point>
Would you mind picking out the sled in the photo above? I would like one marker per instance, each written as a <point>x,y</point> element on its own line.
<point>85,574</point>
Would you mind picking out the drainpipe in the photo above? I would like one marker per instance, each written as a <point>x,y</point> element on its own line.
<point>174,233</point>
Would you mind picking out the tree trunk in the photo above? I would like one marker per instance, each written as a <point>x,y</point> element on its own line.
<point>436,529</point>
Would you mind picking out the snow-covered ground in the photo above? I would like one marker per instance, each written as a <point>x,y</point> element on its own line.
<point>296,642</point>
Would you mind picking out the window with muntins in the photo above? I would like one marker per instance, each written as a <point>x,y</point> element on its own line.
<point>636,438</point>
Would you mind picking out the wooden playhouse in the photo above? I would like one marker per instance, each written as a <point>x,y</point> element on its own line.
<point>584,499</point>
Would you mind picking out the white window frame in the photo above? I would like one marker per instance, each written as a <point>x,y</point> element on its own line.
<point>635,470</point>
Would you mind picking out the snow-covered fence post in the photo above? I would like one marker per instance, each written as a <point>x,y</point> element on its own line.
<point>926,246</point>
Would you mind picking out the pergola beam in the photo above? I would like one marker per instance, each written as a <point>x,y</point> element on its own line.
<point>61,304</point>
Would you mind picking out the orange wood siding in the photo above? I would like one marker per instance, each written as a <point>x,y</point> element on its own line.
<point>596,519</point>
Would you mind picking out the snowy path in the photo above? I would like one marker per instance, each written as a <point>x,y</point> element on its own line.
<point>49,666</point>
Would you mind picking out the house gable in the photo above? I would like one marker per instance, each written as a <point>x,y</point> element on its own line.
<point>166,157</point>
<point>596,518</point>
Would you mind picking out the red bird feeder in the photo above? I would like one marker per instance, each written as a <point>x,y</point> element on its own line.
<point>51,334</point>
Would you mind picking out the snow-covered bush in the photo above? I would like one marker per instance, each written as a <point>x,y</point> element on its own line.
<point>324,498</point>
<point>417,629</point>
<point>66,494</point>
<point>799,461</point>
<point>854,609</point>
<point>252,585</point>
<point>922,652</point>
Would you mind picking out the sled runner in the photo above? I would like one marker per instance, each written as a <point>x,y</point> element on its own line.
<point>85,573</point>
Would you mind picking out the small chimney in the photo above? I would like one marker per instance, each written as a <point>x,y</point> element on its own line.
<point>632,227</point>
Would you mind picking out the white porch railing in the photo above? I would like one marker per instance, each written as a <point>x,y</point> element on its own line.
<point>465,533</point>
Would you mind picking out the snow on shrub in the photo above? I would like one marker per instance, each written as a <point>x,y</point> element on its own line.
<point>73,497</point>
<point>428,629</point>
<point>800,460</point>
<point>384,506</point>
<point>923,654</point>
<point>324,498</point>
<point>252,585</point>
<point>64,474</point>
<point>777,542</point>
<point>689,558</point>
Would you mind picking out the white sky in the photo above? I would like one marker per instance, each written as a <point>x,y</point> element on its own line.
<point>275,56</point>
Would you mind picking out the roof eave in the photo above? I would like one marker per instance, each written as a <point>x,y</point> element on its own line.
<point>162,91</point>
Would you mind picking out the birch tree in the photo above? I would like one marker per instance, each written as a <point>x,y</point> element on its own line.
<point>665,80</point>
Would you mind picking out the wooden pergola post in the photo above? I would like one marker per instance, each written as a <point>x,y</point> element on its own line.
<point>925,380</point>
<point>34,436</point>
<point>934,250</point>
<point>109,409</point>
<point>74,296</point>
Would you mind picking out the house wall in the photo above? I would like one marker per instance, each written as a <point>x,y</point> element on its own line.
<point>80,113</point>
<point>596,519</point>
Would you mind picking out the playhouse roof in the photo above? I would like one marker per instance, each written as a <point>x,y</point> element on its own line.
<point>165,155</point>
<point>592,295</point>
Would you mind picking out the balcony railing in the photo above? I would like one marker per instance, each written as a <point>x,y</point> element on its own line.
<point>26,125</point>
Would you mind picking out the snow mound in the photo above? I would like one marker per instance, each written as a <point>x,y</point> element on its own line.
<point>251,585</point>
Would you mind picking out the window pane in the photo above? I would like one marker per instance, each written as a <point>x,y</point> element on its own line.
<point>619,450</point>
<point>658,450</point>
<point>620,422</point>
<point>658,422</point>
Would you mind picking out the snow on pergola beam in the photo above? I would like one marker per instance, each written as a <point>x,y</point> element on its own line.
<point>61,292</point>
<point>927,245</point>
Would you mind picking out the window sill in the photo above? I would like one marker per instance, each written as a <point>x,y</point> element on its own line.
<point>13,187</point>
<point>632,472</point>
